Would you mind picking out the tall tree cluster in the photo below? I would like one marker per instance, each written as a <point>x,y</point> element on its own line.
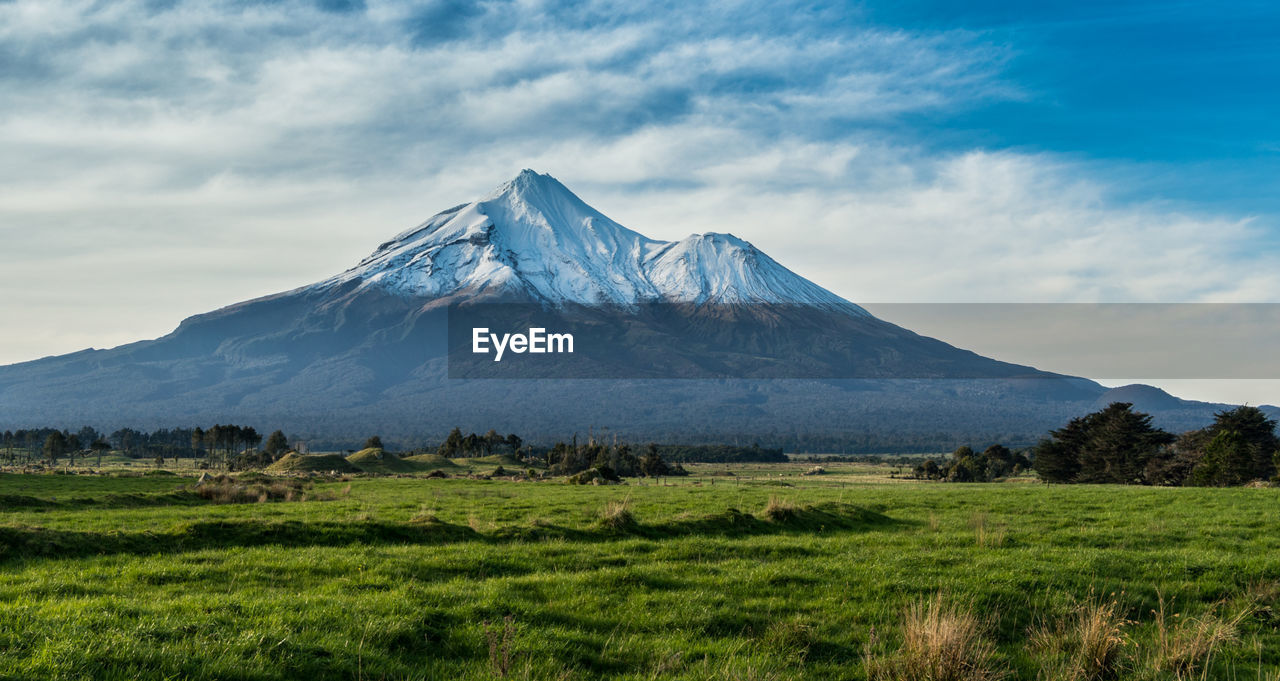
<point>1120,445</point>
<point>465,446</point>
<point>966,465</point>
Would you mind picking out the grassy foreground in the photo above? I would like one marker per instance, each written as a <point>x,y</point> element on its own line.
<point>762,575</point>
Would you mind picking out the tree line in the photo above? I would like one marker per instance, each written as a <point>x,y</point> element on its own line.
<point>457,445</point>
<point>1117,445</point>
<point>567,458</point>
<point>612,461</point>
<point>236,447</point>
<point>220,445</point>
<point>36,444</point>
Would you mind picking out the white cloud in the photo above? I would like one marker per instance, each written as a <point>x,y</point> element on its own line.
<point>172,162</point>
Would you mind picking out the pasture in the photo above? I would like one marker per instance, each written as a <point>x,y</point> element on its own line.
<point>737,572</point>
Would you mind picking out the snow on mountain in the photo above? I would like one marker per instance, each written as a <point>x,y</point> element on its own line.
<point>533,236</point>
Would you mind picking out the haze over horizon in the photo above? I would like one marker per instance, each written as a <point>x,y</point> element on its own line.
<point>179,158</point>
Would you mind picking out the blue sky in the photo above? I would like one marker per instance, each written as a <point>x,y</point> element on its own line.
<point>164,158</point>
<point>1187,91</point>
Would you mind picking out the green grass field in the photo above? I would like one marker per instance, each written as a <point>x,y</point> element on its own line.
<point>414,578</point>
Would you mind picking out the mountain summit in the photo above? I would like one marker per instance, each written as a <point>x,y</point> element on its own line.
<point>533,237</point>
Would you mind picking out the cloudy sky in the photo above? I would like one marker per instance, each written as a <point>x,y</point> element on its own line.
<point>160,159</point>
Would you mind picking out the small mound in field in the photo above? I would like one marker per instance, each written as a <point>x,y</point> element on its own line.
<point>302,463</point>
<point>432,460</point>
<point>374,460</point>
<point>369,455</point>
<point>594,476</point>
<point>496,459</point>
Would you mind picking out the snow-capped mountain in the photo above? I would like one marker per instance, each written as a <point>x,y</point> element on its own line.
<point>367,350</point>
<point>532,236</point>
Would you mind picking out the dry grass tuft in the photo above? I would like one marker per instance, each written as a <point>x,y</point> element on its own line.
<point>984,534</point>
<point>223,489</point>
<point>779,510</point>
<point>940,642</point>
<point>791,636</point>
<point>1088,645</point>
<point>616,516</point>
<point>1186,645</point>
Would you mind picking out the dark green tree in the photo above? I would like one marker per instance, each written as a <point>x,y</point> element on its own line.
<point>73,447</point>
<point>1120,444</point>
<point>276,444</point>
<point>249,437</point>
<point>373,442</point>
<point>100,447</point>
<point>652,465</point>
<point>1258,434</point>
<point>55,445</point>
<point>964,466</point>
<point>197,441</point>
<point>1174,466</point>
<point>1228,461</point>
<point>1057,458</point>
<point>491,441</point>
<point>1113,445</point>
<point>928,470</point>
<point>87,434</point>
<point>452,445</point>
